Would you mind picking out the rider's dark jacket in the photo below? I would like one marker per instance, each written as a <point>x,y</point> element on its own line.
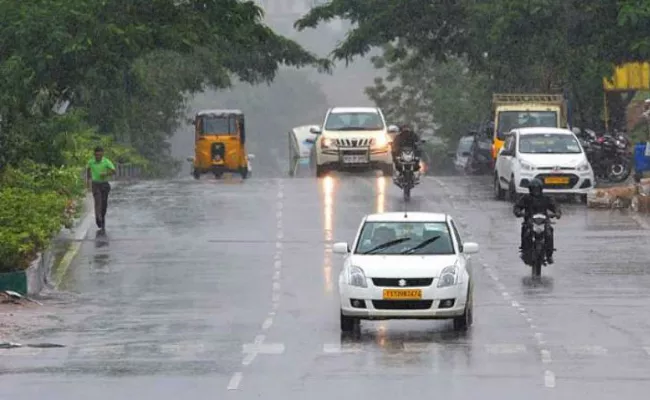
<point>405,139</point>
<point>530,205</point>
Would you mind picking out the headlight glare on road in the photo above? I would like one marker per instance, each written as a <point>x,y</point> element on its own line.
<point>584,166</point>
<point>448,277</point>
<point>357,278</point>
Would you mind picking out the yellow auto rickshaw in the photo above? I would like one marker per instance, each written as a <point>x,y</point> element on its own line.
<point>219,143</point>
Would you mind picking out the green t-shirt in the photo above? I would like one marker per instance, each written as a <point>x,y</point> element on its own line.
<point>97,167</point>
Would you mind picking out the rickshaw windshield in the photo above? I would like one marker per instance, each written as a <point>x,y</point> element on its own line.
<point>212,125</point>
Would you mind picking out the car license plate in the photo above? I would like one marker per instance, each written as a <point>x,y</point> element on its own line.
<point>355,159</point>
<point>396,294</point>
<point>556,180</point>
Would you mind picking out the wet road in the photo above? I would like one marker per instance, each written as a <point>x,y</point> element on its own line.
<point>227,290</point>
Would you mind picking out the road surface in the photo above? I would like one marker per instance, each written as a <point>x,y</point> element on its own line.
<point>227,290</point>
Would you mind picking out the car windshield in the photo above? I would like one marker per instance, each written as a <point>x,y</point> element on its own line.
<point>509,120</point>
<point>465,144</point>
<point>354,121</point>
<point>549,143</point>
<point>218,125</point>
<point>405,238</point>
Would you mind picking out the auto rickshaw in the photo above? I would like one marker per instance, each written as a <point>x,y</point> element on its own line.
<point>219,147</point>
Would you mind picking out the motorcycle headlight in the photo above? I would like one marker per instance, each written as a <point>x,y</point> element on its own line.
<point>407,157</point>
<point>584,166</point>
<point>538,228</point>
<point>448,277</point>
<point>357,278</point>
<point>526,166</point>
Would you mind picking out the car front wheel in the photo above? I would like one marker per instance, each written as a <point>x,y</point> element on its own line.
<point>463,322</point>
<point>349,324</point>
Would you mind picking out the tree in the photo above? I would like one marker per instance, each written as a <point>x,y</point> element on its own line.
<point>537,45</point>
<point>431,95</point>
<point>100,54</point>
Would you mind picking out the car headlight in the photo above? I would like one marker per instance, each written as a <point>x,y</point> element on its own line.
<point>448,277</point>
<point>584,166</point>
<point>526,166</point>
<point>357,278</point>
<point>381,141</point>
<point>326,142</point>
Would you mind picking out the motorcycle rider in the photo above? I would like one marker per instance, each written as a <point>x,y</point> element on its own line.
<point>536,203</point>
<point>405,138</point>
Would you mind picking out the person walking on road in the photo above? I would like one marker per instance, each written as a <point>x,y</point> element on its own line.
<point>98,171</point>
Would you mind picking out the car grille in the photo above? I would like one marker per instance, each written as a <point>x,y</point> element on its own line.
<point>556,168</point>
<point>573,179</point>
<point>353,142</point>
<point>402,304</point>
<point>354,152</point>
<point>408,282</point>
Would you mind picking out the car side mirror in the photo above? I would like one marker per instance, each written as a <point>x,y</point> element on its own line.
<point>393,129</point>
<point>341,248</point>
<point>316,130</point>
<point>470,248</point>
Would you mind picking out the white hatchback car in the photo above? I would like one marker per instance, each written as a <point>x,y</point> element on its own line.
<point>552,155</point>
<point>406,266</point>
<point>353,137</point>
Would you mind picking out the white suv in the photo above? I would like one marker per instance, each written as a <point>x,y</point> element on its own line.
<point>552,155</point>
<point>353,137</point>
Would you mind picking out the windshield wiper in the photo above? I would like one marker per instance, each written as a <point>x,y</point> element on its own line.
<point>422,244</point>
<point>387,244</point>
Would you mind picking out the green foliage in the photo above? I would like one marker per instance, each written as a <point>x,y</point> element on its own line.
<point>28,219</point>
<point>441,96</point>
<point>536,45</point>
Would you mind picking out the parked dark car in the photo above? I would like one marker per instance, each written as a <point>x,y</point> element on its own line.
<point>474,154</point>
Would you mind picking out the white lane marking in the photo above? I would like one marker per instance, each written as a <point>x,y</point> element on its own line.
<point>20,351</point>
<point>184,348</point>
<point>546,356</point>
<point>335,348</point>
<point>275,298</point>
<point>505,348</point>
<point>276,275</point>
<point>277,264</point>
<point>549,379</point>
<point>276,286</point>
<point>421,347</point>
<point>280,235</point>
<point>278,245</point>
<point>586,350</point>
<point>112,350</point>
<point>248,359</point>
<point>267,323</point>
<point>235,381</point>
<point>647,350</point>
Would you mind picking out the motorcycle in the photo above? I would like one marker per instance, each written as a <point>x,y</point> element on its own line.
<point>536,255</point>
<point>408,178</point>
<point>609,155</point>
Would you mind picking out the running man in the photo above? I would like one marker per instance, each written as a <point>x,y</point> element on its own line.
<point>98,171</point>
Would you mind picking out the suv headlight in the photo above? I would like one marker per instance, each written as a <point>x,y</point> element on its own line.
<point>584,166</point>
<point>357,278</point>
<point>526,166</point>
<point>326,142</point>
<point>380,142</point>
<point>448,277</point>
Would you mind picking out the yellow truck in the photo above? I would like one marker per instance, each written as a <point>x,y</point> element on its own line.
<point>512,111</point>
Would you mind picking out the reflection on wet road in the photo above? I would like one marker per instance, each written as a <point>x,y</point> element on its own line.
<point>226,289</point>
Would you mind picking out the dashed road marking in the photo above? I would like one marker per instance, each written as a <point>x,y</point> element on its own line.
<point>334,348</point>
<point>546,356</point>
<point>234,382</point>
<point>549,379</point>
<point>586,350</point>
<point>506,348</point>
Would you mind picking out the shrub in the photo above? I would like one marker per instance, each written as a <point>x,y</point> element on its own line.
<point>28,220</point>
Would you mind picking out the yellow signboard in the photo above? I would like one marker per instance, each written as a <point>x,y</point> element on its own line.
<point>630,76</point>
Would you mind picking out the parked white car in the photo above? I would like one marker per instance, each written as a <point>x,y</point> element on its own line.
<point>353,137</point>
<point>406,266</point>
<point>552,155</point>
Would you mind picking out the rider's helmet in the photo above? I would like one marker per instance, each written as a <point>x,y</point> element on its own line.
<point>405,128</point>
<point>535,187</point>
